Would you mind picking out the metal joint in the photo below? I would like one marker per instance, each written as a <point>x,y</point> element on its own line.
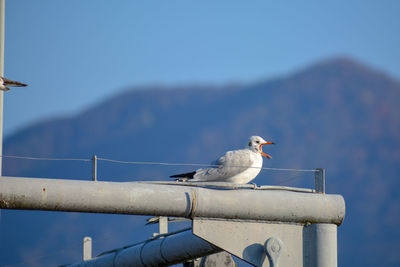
<point>193,203</point>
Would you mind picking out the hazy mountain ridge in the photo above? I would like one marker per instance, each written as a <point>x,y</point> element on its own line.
<point>337,114</point>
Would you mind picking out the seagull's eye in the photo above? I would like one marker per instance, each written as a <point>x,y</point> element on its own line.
<point>257,142</point>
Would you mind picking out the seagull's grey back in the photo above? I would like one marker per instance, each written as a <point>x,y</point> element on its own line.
<point>235,166</point>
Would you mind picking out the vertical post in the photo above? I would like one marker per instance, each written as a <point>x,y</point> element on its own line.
<point>94,168</point>
<point>323,245</point>
<point>87,248</point>
<point>2,23</point>
<point>320,180</point>
<point>323,250</point>
<point>162,225</point>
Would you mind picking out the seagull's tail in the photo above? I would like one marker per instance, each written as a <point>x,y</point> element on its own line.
<point>18,84</point>
<point>13,83</point>
<point>188,175</point>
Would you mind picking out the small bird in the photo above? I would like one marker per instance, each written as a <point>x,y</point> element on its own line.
<point>237,166</point>
<point>4,82</point>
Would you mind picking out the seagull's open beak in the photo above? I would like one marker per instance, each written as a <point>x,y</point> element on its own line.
<point>262,153</point>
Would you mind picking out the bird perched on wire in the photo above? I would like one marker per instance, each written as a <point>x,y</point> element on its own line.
<point>237,166</point>
<point>4,82</point>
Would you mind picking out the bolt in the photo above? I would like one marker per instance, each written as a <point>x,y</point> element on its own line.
<point>275,247</point>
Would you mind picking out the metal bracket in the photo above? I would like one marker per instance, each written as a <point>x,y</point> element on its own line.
<point>320,180</point>
<point>273,247</point>
<point>162,225</point>
<point>255,242</point>
<point>87,248</point>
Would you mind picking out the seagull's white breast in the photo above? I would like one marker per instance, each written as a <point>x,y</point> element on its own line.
<point>251,172</point>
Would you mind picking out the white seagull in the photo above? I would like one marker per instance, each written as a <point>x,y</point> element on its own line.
<point>4,82</point>
<point>237,166</point>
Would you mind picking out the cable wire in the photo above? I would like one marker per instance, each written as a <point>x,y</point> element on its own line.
<point>41,158</point>
<point>151,163</point>
<point>198,165</point>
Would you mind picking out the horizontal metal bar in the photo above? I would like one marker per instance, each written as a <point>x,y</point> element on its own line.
<point>170,249</point>
<point>169,200</point>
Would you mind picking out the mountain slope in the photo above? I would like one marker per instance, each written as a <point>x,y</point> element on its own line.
<point>337,114</point>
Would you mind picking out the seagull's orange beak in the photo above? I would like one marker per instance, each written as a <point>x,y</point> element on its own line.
<point>262,153</point>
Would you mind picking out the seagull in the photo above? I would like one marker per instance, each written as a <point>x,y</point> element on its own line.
<point>237,166</point>
<point>4,82</point>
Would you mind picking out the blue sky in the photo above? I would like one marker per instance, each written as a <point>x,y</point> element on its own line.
<point>74,54</point>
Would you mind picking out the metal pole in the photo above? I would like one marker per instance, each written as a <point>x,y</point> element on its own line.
<point>320,180</point>
<point>323,245</point>
<point>162,225</point>
<point>2,23</point>
<point>94,168</point>
<point>87,248</point>
<point>166,250</point>
<point>169,200</point>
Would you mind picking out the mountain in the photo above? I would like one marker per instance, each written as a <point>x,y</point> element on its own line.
<point>337,114</point>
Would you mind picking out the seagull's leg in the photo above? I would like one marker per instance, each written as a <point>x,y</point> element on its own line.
<point>181,180</point>
<point>255,185</point>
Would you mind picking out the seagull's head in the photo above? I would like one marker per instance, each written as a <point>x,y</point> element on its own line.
<point>256,143</point>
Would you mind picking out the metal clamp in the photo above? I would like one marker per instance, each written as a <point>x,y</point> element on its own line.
<point>273,247</point>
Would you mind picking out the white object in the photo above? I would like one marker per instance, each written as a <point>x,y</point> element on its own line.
<point>237,166</point>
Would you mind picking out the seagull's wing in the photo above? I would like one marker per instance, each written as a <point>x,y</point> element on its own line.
<point>230,164</point>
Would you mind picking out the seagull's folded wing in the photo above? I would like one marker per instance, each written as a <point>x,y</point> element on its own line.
<point>230,164</point>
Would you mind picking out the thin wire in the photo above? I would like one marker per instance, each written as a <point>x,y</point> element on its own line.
<point>296,170</point>
<point>39,158</point>
<point>152,163</point>
<point>198,165</point>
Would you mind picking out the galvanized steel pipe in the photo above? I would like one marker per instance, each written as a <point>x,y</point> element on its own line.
<point>169,200</point>
<point>167,250</point>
